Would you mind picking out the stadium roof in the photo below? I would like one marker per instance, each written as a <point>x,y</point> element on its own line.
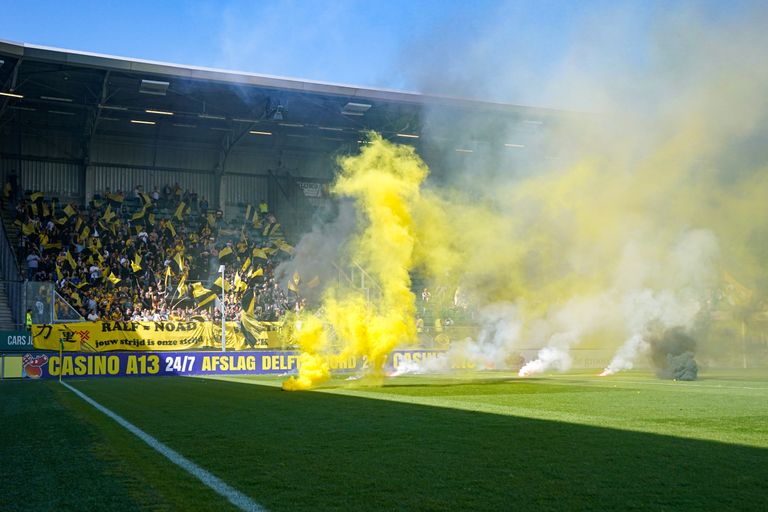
<point>91,94</point>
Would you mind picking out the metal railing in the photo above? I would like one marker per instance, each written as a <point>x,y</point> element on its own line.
<point>10,274</point>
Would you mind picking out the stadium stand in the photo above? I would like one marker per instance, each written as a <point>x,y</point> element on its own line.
<point>150,256</point>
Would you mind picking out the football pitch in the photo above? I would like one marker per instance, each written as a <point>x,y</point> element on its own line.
<point>485,441</point>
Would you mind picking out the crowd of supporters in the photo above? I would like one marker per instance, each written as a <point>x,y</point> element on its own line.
<point>152,255</point>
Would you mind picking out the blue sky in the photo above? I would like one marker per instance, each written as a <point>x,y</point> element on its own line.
<point>440,46</point>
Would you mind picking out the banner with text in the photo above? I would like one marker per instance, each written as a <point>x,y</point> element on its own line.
<point>150,336</point>
<point>14,341</point>
<point>126,364</point>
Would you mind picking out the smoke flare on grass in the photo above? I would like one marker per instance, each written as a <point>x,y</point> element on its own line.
<point>672,354</point>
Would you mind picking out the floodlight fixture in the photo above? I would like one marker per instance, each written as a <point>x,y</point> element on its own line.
<point>155,87</point>
<point>56,98</point>
<point>355,109</point>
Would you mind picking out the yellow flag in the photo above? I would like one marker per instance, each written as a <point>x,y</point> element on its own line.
<point>227,286</point>
<point>71,261</point>
<point>113,278</point>
<point>69,211</point>
<point>177,264</point>
<point>182,288</point>
<point>180,211</point>
<point>240,285</point>
<point>108,214</point>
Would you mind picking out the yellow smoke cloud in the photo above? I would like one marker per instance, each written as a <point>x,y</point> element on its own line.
<point>663,194</point>
<point>384,180</point>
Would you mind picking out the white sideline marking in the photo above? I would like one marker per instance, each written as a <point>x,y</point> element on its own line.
<point>234,496</point>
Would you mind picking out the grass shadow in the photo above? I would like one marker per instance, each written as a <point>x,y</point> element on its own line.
<point>319,451</point>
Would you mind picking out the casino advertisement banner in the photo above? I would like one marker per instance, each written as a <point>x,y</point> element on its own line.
<point>39,365</point>
<point>150,336</point>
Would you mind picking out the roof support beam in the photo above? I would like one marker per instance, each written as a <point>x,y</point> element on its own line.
<point>92,120</point>
<point>13,79</point>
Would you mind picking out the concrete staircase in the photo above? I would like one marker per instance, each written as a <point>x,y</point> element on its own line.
<point>6,316</point>
<point>9,275</point>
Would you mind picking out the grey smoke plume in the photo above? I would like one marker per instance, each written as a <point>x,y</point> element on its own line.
<point>319,252</point>
<point>672,355</point>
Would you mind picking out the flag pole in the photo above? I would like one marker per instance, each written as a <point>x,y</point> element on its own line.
<point>61,357</point>
<point>223,319</point>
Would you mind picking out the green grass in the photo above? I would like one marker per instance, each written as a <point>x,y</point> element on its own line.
<point>481,442</point>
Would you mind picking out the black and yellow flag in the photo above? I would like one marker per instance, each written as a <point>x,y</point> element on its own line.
<point>108,214</point>
<point>226,255</point>
<point>177,264</point>
<point>179,213</point>
<point>272,229</point>
<point>287,248</point>
<point>113,278</point>
<point>217,286</point>
<point>51,246</point>
<point>253,274</point>
<point>28,229</point>
<point>246,265</point>
<point>84,233</point>
<point>71,261</point>
<point>36,196</point>
<point>259,253</point>
<point>170,228</point>
<point>136,263</point>
<point>248,301</point>
<point>201,295</point>
<point>69,211</point>
<point>182,288</point>
<point>139,214</point>
<point>240,285</point>
<point>116,199</point>
<point>145,198</point>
